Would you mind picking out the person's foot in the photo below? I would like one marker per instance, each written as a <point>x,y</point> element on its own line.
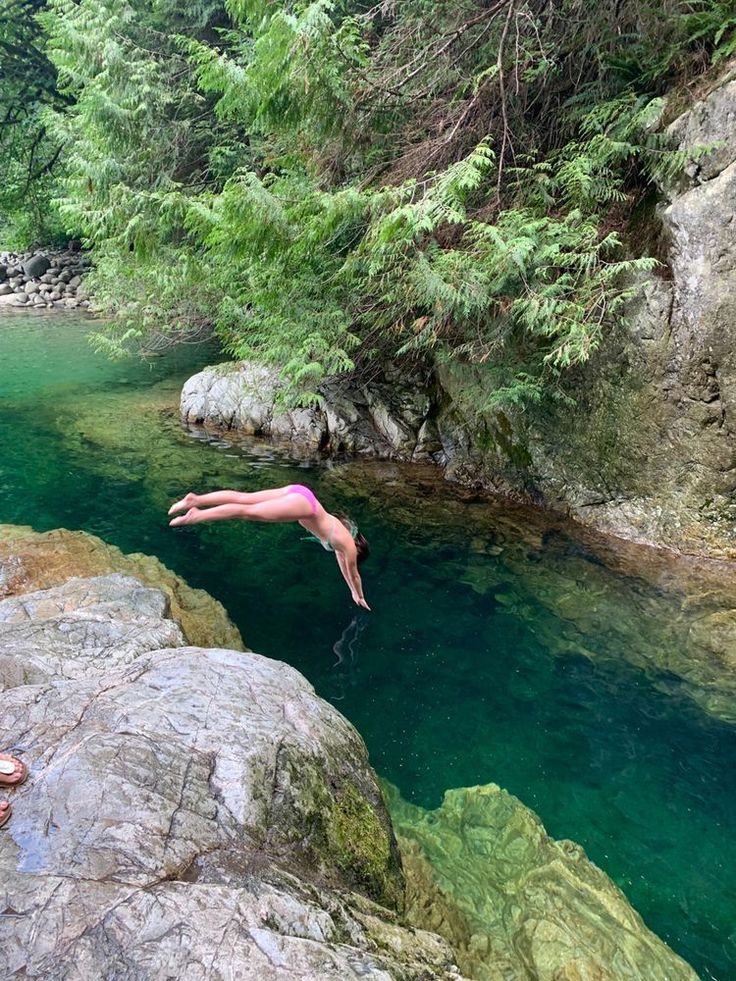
<point>186,519</point>
<point>12,771</point>
<point>5,812</point>
<point>184,504</point>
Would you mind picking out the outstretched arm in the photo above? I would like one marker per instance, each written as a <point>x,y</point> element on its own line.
<point>349,569</point>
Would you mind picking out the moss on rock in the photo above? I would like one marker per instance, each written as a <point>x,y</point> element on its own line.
<point>514,903</point>
<point>360,844</point>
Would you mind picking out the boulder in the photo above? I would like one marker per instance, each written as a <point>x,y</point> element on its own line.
<point>189,811</point>
<point>383,419</point>
<point>36,265</point>
<point>31,560</point>
<point>64,631</point>
<point>5,290</point>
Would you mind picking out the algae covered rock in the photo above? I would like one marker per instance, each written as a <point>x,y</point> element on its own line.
<point>36,560</point>
<point>515,903</point>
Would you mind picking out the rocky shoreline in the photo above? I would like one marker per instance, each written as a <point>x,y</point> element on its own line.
<point>198,809</point>
<point>45,278</point>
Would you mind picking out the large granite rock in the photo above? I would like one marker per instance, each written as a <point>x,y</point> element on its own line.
<point>83,624</point>
<point>514,902</point>
<point>33,560</point>
<point>386,418</point>
<point>189,812</point>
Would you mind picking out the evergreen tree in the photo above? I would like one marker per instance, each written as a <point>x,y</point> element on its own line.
<point>29,156</point>
<point>331,183</point>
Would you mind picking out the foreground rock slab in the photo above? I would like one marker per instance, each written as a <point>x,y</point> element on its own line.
<point>515,903</point>
<point>190,812</point>
<point>32,560</point>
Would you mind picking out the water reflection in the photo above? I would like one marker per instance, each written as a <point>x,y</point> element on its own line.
<point>346,651</point>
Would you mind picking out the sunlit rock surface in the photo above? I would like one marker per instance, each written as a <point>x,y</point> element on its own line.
<point>189,812</point>
<point>33,560</point>
<point>515,903</point>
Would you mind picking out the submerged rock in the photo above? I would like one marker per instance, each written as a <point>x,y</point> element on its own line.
<point>515,903</point>
<point>189,811</point>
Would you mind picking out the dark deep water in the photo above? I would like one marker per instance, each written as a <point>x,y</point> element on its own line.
<point>456,678</point>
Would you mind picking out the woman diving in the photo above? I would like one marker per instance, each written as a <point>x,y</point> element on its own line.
<point>295,502</point>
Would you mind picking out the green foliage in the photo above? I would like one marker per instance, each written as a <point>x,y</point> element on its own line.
<point>334,184</point>
<point>715,24</point>
<point>29,156</point>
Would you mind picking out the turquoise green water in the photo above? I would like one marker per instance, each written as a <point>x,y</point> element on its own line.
<point>494,652</point>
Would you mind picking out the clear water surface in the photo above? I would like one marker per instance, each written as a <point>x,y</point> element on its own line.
<point>455,679</point>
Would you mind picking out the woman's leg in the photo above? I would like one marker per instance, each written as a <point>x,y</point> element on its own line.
<point>286,507</point>
<point>226,497</point>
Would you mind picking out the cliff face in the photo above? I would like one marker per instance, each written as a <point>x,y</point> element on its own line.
<point>649,451</point>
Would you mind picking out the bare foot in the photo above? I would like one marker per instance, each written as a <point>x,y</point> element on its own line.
<point>184,504</point>
<point>4,812</point>
<point>186,519</point>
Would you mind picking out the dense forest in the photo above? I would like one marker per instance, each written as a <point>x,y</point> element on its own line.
<point>333,184</point>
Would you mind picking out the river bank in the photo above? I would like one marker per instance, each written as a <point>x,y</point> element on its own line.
<point>639,442</point>
<point>45,278</point>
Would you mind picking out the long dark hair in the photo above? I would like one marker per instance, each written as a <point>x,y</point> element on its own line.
<point>361,543</point>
